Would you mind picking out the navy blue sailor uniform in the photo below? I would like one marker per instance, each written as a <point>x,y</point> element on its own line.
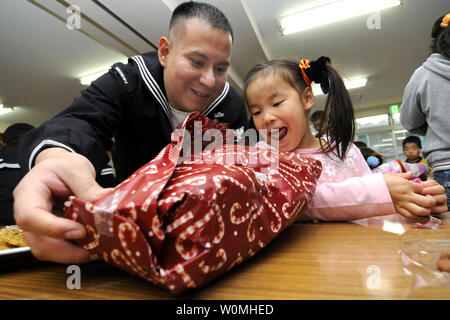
<point>127,112</point>
<point>10,175</point>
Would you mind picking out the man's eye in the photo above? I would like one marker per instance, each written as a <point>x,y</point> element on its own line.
<point>196,62</point>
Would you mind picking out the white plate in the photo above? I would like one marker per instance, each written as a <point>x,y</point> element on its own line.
<point>13,251</point>
<point>5,252</point>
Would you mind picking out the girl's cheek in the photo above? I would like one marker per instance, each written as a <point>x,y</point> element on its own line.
<point>256,123</point>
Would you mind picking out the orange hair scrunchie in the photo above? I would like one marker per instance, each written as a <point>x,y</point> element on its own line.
<point>304,64</point>
<point>445,21</point>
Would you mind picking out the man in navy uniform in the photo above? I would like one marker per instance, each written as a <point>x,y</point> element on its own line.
<point>139,105</point>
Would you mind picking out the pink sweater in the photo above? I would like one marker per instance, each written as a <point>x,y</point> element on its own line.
<point>346,190</point>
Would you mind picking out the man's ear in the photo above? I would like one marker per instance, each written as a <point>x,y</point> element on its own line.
<point>308,98</point>
<point>163,51</point>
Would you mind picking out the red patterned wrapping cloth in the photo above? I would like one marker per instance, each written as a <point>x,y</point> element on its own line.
<point>182,221</point>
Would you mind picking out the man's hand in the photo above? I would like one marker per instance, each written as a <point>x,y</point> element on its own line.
<point>56,175</point>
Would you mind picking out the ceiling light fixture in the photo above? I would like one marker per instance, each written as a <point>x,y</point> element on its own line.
<point>86,80</point>
<point>332,12</point>
<point>5,109</point>
<point>349,84</point>
<point>97,73</point>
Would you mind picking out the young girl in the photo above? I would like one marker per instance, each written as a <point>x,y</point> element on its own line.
<point>279,96</point>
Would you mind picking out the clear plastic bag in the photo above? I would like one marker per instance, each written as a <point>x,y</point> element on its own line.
<point>419,259</point>
<point>398,224</point>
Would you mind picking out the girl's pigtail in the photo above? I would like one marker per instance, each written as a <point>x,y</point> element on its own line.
<point>341,120</point>
<point>338,109</point>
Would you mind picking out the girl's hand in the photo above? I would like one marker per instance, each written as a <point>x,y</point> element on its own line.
<point>434,189</point>
<point>407,196</point>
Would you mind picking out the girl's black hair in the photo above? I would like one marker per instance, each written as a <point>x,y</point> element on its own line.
<point>440,38</point>
<point>340,128</point>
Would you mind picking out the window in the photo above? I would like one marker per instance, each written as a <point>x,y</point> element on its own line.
<point>396,118</point>
<point>382,133</point>
<point>372,122</point>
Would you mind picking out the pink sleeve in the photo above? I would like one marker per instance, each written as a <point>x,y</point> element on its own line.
<point>353,198</point>
<point>417,169</point>
<point>389,167</point>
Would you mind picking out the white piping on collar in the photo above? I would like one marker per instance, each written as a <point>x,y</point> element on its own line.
<point>152,85</point>
<point>218,100</point>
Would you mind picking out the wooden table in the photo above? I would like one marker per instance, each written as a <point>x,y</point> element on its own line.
<point>307,261</point>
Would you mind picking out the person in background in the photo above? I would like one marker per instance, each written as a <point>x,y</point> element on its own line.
<point>376,163</point>
<point>10,173</point>
<point>373,158</point>
<point>319,122</point>
<point>360,144</point>
<point>425,107</point>
<point>139,105</point>
<point>2,143</point>
<point>412,147</point>
<point>279,96</point>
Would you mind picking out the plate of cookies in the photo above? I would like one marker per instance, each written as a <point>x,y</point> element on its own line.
<point>12,241</point>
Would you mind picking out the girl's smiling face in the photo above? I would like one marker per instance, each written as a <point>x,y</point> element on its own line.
<point>277,107</point>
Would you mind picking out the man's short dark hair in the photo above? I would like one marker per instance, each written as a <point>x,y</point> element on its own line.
<point>201,10</point>
<point>317,115</point>
<point>412,139</point>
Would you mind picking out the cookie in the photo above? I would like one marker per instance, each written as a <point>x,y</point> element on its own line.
<point>4,245</point>
<point>13,237</point>
<point>444,265</point>
<point>445,255</point>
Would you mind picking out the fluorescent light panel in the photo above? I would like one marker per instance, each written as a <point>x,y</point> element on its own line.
<point>349,84</point>
<point>336,11</point>
<point>4,110</point>
<point>86,80</point>
<point>97,73</point>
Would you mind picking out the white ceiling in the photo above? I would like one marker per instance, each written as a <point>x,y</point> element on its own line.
<point>41,59</point>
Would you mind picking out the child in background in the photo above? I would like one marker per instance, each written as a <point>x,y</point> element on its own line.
<point>412,147</point>
<point>279,96</point>
<point>319,122</point>
<point>375,162</point>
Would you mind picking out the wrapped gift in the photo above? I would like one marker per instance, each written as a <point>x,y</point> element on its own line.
<point>199,208</point>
